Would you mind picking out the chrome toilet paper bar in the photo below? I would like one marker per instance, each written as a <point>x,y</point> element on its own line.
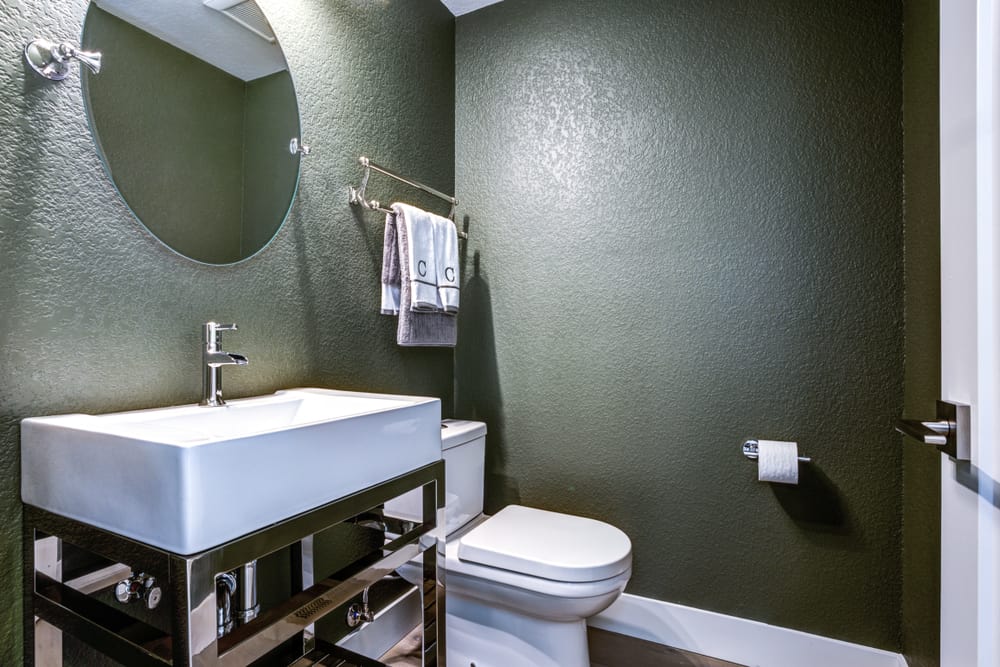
<point>750,451</point>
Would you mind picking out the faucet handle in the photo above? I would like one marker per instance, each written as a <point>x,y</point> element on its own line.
<point>139,586</point>
<point>212,331</point>
<point>211,336</point>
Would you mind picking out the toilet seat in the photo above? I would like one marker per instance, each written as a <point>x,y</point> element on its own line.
<point>457,571</point>
<point>468,570</point>
<point>547,545</point>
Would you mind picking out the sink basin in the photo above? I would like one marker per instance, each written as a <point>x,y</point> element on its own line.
<point>188,478</point>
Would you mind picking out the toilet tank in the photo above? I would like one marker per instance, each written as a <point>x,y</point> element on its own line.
<point>463,448</point>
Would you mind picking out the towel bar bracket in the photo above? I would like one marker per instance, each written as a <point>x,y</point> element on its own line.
<point>357,196</point>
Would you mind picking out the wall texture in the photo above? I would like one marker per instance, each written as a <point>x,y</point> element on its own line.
<point>96,315</point>
<point>921,559</point>
<point>686,230</point>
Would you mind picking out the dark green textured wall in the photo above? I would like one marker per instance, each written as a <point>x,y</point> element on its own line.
<point>686,230</point>
<point>921,622</point>
<point>96,315</point>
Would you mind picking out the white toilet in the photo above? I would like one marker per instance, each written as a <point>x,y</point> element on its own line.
<point>519,584</point>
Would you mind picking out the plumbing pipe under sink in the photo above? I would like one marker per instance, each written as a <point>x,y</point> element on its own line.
<point>236,598</point>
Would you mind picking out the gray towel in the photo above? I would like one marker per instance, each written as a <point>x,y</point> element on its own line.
<point>416,329</point>
<point>390,268</point>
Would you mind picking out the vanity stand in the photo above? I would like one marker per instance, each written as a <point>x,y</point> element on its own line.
<point>177,624</point>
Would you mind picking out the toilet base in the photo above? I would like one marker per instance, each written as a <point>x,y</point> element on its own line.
<point>497,637</point>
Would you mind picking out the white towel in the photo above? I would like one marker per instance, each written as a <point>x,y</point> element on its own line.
<point>419,256</point>
<point>446,254</point>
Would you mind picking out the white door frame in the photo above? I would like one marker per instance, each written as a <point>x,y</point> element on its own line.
<point>970,518</point>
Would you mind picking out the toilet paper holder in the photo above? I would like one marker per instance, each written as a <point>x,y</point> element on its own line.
<point>750,451</point>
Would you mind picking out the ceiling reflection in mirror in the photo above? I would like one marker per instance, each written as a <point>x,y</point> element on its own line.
<point>192,114</point>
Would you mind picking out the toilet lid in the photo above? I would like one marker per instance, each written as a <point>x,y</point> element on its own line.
<point>547,545</point>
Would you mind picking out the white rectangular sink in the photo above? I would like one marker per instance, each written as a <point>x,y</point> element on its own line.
<point>188,478</point>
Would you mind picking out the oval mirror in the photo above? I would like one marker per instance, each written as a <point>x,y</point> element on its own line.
<point>192,114</point>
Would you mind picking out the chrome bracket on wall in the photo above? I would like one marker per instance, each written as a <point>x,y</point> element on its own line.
<point>950,432</point>
<point>296,147</point>
<point>51,60</point>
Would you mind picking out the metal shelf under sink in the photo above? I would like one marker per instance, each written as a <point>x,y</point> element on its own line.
<point>181,629</point>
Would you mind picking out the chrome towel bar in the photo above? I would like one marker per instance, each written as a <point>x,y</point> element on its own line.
<point>358,197</point>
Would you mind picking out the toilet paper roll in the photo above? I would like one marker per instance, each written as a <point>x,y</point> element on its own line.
<point>778,461</point>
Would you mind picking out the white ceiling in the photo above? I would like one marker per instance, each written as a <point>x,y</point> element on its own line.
<point>209,36</point>
<point>459,7</point>
<point>204,33</point>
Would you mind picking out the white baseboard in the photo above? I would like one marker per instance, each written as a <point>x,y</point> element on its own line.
<point>735,639</point>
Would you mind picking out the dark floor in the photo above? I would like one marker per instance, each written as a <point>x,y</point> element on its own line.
<point>607,649</point>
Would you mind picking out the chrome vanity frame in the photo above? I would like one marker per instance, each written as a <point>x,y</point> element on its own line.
<point>188,584</point>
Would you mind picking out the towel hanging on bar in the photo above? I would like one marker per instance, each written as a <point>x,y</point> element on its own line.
<point>358,198</point>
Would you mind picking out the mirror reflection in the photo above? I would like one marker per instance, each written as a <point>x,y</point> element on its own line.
<point>192,114</point>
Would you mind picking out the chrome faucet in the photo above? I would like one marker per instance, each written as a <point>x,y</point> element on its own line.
<point>213,359</point>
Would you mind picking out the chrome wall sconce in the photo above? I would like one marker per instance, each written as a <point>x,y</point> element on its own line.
<point>51,60</point>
